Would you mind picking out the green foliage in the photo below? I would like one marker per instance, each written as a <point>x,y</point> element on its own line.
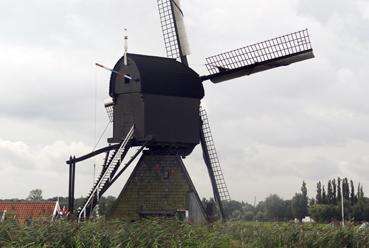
<point>324,212</point>
<point>275,208</point>
<point>299,203</point>
<point>231,207</point>
<point>145,233</point>
<point>354,202</point>
<point>171,233</point>
<point>105,204</point>
<point>247,234</point>
<point>319,193</point>
<point>324,196</point>
<point>35,195</point>
<point>298,206</point>
<point>360,211</point>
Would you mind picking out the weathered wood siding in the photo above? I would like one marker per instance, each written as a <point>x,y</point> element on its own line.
<point>159,183</point>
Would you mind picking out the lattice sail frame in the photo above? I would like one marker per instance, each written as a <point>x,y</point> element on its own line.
<point>109,106</point>
<point>213,156</point>
<point>283,46</point>
<point>171,19</point>
<point>168,27</point>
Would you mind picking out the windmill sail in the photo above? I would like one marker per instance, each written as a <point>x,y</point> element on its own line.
<point>210,155</point>
<point>181,30</point>
<point>175,37</point>
<point>280,51</point>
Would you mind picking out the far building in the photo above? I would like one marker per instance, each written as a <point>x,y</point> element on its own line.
<point>26,211</point>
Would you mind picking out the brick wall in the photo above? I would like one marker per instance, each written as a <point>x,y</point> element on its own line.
<point>159,183</point>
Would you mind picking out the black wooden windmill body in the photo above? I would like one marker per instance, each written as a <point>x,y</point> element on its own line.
<point>156,107</point>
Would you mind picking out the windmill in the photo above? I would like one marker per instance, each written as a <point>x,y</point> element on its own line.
<point>156,107</point>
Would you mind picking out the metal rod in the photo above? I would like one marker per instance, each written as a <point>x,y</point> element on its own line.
<point>342,207</point>
<point>92,154</point>
<point>114,71</point>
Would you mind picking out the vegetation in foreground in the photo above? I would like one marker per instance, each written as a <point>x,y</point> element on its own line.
<point>172,233</point>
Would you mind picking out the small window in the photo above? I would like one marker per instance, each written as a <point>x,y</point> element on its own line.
<point>127,80</point>
<point>166,174</point>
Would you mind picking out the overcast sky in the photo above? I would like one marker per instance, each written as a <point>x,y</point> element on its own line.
<point>308,121</point>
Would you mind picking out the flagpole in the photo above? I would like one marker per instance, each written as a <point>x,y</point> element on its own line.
<point>342,209</point>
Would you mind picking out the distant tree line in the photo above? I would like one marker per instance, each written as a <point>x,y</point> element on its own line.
<point>273,208</point>
<point>327,205</point>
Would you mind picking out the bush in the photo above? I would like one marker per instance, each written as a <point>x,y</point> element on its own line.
<point>324,213</point>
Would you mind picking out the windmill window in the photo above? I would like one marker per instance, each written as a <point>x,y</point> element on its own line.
<point>127,80</point>
<point>166,174</point>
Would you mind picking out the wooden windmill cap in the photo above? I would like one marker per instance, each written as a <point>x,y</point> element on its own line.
<point>155,75</point>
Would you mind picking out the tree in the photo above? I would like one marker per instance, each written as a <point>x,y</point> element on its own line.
<point>298,206</point>
<point>319,192</point>
<point>105,204</point>
<point>287,210</point>
<point>260,216</point>
<point>305,199</point>
<point>247,207</point>
<point>345,189</point>
<point>334,187</point>
<point>274,207</point>
<point>232,206</point>
<point>35,195</point>
<point>339,190</point>
<point>360,192</point>
<point>352,195</point>
<point>324,196</point>
<point>360,210</point>
<point>304,191</point>
<point>330,192</point>
<point>248,216</point>
<point>324,212</point>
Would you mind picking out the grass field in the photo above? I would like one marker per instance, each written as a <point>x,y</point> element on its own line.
<point>172,233</point>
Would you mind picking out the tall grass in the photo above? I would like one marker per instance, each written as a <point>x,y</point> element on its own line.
<point>254,234</point>
<point>145,233</point>
<point>172,233</point>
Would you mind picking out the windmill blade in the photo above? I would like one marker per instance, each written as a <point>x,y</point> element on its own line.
<point>280,51</point>
<point>210,155</point>
<point>175,37</point>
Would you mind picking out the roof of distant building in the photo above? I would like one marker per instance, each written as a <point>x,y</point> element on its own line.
<point>25,210</point>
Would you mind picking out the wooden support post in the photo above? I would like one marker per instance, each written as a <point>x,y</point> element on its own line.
<point>72,174</point>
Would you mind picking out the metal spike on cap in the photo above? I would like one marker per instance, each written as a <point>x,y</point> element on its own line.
<point>125,46</point>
